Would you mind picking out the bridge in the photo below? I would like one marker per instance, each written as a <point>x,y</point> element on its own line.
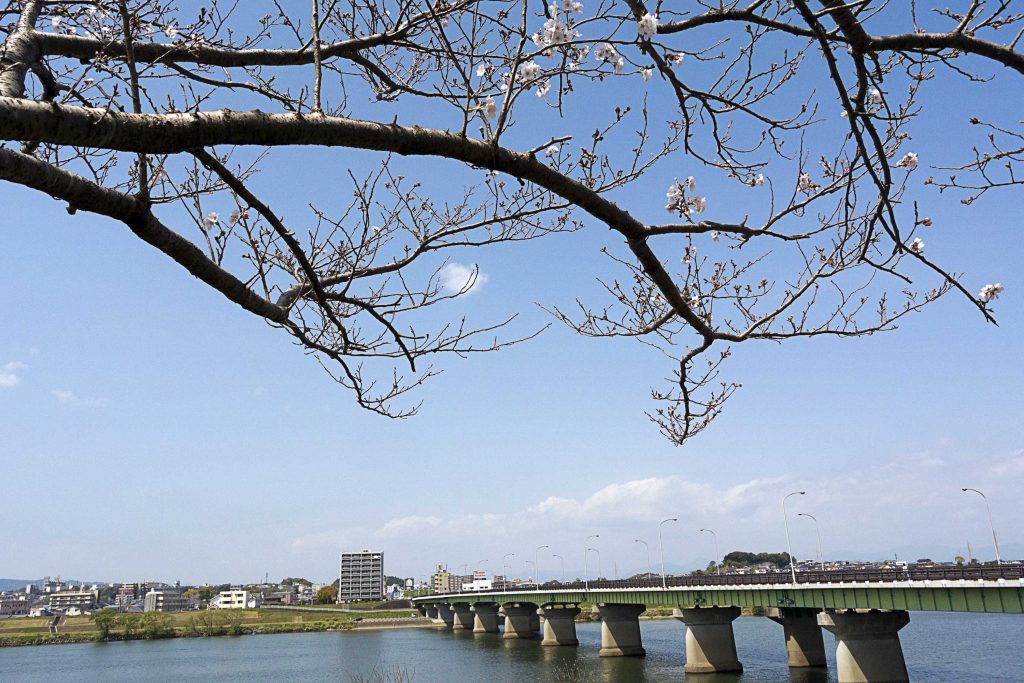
<point>864,610</point>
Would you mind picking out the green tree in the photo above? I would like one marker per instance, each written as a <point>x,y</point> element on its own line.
<point>129,621</point>
<point>327,595</point>
<point>104,620</point>
<point>157,625</point>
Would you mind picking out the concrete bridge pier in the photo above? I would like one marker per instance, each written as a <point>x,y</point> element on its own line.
<point>805,646</point>
<point>462,618</point>
<point>868,646</point>
<point>560,624</point>
<point>445,616</point>
<point>430,612</point>
<point>710,643</point>
<point>620,630</point>
<point>485,617</point>
<point>519,619</point>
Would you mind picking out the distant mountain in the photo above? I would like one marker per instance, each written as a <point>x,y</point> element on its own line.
<point>15,584</point>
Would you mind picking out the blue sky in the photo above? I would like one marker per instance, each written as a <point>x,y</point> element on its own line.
<point>154,430</point>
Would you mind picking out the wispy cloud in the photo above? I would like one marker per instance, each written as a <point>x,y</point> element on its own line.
<point>71,398</point>
<point>9,376</point>
<point>457,277</point>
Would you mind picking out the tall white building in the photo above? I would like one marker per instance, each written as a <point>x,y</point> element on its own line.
<point>361,576</point>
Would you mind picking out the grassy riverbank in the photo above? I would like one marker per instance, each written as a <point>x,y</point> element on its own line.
<point>36,631</point>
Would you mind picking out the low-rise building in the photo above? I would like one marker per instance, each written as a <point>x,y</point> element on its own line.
<point>233,599</point>
<point>164,601</point>
<point>14,606</point>
<point>82,599</point>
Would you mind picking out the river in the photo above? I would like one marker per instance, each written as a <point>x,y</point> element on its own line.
<point>939,647</point>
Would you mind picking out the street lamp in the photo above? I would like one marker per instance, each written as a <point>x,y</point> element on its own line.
<point>661,543</point>
<point>718,555</point>
<point>536,558</point>
<point>529,563</point>
<point>503,565</point>
<point>562,560</point>
<point>599,572</point>
<point>586,569</point>
<point>789,544</point>
<point>995,543</point>
<point>640,540</point>
<point>817,530</point>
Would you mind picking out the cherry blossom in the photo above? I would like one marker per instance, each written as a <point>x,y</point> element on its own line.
<point>926,221</point>
<point>909,161</point>
<point>490,108</point>
<point>875,97</point>
<point>804,182</point>
<point>691,183</point>
<point>916,246</point>
<point>647,73</point>
<point>647,26</point>
<point>551,151</point>
<point>212,219</point>
<point>484,69</point>
<point>759,180</point>
<point>543,88</point>
<point>676,58</point>
<point>990,292</point>
<point>170,30</point>
<point>55,22</point>
<point>619,65</point>
<point>605,52</point>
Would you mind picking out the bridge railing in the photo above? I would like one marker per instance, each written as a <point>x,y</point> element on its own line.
<point>969,573</point>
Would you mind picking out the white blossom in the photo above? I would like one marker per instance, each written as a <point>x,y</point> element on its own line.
<point>620,64</point>
<point>990,292</point>
<point>916,246</point>
<point>551,151</point>
<point>55,22</point>
<point>647,26</point>
<point>700,203</point>
<point>212,219</point>
<point>909,161</point>
<point>691,183</point>
<point>484,69</point>
<point>804,183</point>
<point>529,71</point>
<point>569,6</point>
<point>490,108</point>
<point>543,88</point>
<point>605,52</point>
<point>875,96</point>
<point>170,30</point>
<point>647,73</point>
<point>759,180</point>
<point>676,58</point>
<point>926,221</point>
<point>714,235</point>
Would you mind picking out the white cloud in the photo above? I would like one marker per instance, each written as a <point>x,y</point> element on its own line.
<point>9,373</point>
<point>456,277</point>
<point>868,511</point>
<point>70,398</point>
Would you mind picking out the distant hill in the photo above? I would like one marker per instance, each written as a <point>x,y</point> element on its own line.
<point>15,584</point>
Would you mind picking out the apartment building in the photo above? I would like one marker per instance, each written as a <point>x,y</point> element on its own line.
<point>164,601</point>
<point>361,576</point>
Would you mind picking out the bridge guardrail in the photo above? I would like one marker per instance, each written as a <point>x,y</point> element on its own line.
<point>987,573</point>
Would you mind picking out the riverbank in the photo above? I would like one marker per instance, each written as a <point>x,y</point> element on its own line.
<point>202,624</point>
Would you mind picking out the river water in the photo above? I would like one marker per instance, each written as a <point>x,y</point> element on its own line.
<point>939,647</point>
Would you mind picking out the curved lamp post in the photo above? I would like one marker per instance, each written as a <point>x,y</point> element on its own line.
<point>586,569</point>
<point>991,526</point>
<point>536,562</point>
<point>718,555</point>
<point>562,560</point>
<point>503,565</point>
<point>817,530</point>
<point>599,572</point>
<point>789,544</point>
<point>662,544</point>
<point>640,540</point>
